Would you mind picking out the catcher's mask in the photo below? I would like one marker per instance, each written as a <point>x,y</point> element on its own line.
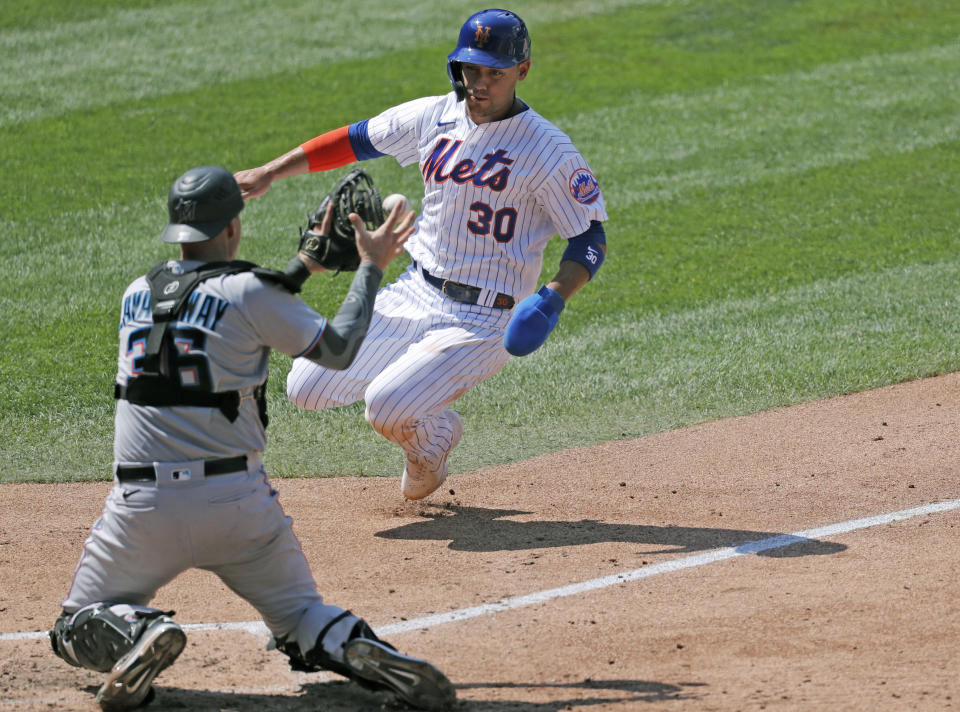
<point>490,38</point>
<point>201,203</point>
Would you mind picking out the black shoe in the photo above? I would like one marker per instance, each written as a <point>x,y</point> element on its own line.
<point>415,681</point>
<point>129,684</point>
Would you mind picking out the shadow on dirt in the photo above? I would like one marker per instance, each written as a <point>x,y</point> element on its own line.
<point>347,697</point>
<point>339,695</point>
<point>588,693</point>
<point>478,529</point>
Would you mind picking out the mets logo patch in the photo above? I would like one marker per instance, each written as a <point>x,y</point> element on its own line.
<point>584,187</point>
<point>482,35</point>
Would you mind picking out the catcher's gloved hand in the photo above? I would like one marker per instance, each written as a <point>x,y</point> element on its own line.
<point>532,321</point>
<point>336,247</point>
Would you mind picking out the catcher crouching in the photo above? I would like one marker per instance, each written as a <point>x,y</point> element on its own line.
<point>190,489</point>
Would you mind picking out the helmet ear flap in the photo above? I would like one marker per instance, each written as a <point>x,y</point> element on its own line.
<point>455,72</point>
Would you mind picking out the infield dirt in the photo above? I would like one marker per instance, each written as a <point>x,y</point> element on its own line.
<point>867,620</point>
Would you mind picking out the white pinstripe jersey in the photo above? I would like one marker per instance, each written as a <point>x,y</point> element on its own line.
<point>494,193</point>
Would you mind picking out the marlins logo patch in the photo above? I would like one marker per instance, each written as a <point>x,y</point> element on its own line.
<point>584,187</point>
<point>186,210</point>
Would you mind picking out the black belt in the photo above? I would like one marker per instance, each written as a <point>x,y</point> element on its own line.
<point>146,473</point>
<point>464,292</point>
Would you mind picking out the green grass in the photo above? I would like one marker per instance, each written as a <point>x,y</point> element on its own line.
<point>780,178</point>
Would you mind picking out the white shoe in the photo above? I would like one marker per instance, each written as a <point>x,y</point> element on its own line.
<point>129,682</point>
<point>418,481</point>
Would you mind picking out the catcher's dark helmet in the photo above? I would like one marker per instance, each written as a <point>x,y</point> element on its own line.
<point>489,38</point>
<point>201,203</point>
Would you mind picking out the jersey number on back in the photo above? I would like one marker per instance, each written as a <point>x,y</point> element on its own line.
<point>188,361</point>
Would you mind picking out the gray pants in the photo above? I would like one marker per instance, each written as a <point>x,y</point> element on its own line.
<point>231,525</point>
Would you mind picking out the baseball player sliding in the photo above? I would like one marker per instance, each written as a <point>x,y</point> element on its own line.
<point>499,182</point>
<point>190,490</point>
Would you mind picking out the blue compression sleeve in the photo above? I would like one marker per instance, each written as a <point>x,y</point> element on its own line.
<point>360,142</point>
<point>586,248</point>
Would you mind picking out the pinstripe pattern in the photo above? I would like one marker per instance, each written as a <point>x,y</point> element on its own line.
<point>538,161</point>
<point>494,195</point>
<point>421,353</point>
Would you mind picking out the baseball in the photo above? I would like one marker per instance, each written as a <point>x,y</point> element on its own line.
<point>392,200</point>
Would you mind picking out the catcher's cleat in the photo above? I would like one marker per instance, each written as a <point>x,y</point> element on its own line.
<point>415,681</point>
<point>129,684</point>
<point>418,481</point>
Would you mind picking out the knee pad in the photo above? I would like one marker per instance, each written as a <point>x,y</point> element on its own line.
<point>99,634</point>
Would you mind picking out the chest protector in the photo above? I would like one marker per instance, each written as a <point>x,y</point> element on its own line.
<point>170,288</point>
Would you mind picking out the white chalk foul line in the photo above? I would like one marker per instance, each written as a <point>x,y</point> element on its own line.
<point>686,562</point>
<point>709,557</point>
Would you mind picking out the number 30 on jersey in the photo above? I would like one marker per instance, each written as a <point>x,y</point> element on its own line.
<point>500,223</point>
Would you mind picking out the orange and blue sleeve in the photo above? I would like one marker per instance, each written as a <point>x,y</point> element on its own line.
<point>340,147</point>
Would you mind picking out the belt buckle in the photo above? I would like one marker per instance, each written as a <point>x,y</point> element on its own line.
<point>443,287</point>
<point>458,292</point>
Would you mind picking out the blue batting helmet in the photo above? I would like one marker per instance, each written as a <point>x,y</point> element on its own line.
<point>489,38</point>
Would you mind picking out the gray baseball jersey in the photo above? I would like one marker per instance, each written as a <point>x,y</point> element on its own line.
<point>223,339</point>
<point>232,523</point>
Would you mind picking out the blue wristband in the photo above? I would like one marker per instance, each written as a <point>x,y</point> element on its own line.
<point>532,321</point>
<point>587,248</point>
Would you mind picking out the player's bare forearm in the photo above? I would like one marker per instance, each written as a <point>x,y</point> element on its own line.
<point>536,316</point>
<point>254,182</point>
<point>291,163</point>
<point>569,279</point>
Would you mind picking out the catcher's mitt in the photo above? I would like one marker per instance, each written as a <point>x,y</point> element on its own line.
<point>355,193</point>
